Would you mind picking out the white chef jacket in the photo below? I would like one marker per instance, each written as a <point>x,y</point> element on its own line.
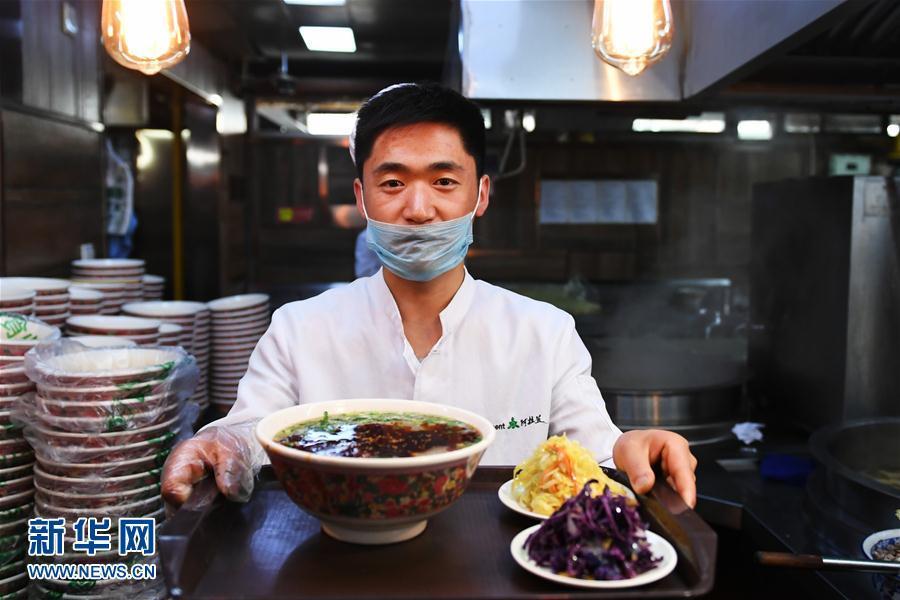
<point>515,361</point>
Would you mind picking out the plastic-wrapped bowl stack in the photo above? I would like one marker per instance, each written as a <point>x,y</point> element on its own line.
<point>85,301</point>
<point>144,332</point>
<point>102,423</point>
<point>103,341</point>
<point>51,300</point>
<point>194,319</point>
<point>18,335</point>
<point>237,324</point>
<point>16,300</point>
<point>128,272</point>
<point>153,287</point>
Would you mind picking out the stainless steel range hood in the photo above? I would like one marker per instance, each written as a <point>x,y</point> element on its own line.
<point>541,49</point>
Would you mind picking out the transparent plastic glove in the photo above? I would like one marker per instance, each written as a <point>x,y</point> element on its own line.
<point>230,453</point>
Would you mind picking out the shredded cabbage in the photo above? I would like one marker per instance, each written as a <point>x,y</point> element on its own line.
<point>593,537</point>
<point>556,471</point>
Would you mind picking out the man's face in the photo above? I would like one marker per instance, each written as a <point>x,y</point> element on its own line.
<point>419,174</point>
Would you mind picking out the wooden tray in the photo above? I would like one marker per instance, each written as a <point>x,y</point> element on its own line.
<point>269,548</point>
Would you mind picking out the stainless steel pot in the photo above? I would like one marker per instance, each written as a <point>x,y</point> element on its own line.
<point>693,387</point>
<point>852,457</point>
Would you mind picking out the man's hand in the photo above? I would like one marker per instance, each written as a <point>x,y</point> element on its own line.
<point>220,450</point>
<point>635,452</point>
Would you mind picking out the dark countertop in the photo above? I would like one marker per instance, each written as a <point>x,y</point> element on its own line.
<point>777,516</point>
<point>270,548</point>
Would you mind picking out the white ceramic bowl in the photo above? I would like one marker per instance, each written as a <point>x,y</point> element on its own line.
<point>227,318</point>
<point>18,334</point>
<point>123,482</point>
<point>82,393</point>
<point>11,295</point>
<point>165,309</point>
<point>44,302</point>
<point>105,366</point>
<point>869,542</point>
<point>171,329</point>
<point>110,289</point>
<point>256,328</point>
<point>50,309</point>
<point>16,389</point>
<point>115,325</point>
<point>12,373</point>
<point>84,294</point>
<point>238,303</point>
<point>108,263</point>
<point>43,286</point>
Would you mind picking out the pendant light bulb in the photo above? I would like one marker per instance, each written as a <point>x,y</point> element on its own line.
<point>146,35</point>
<point>631,35</point>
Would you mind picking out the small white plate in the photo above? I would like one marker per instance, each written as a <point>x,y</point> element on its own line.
<point>869,542</point>
<point>506,497</point>
<point>659,546</point>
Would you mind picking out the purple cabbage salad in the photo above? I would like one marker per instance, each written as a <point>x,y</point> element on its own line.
<point>593,537</point>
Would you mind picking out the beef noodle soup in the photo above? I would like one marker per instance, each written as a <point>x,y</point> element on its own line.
<point>379,435</point>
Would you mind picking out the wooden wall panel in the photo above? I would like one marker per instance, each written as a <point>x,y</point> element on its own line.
<point>61,71</point>
<point>44,228</point>
<point>35,54</point>
<point>47,153</point>
<point>87,60</point>
<point>52,193</point>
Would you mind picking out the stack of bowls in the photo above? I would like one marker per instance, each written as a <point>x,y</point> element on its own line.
<point>170,334</point>
<point>17,336</point>
<point>144,332</point>
<point>16,300</point>
<point>85,301</point>
<point>129,272</point>
<point>15,510</point>
<point>113,295</point>
<point>237,324</point>
<point>102,423</point>
<point>202,350</point>
<point>153,287</point>
<point>51,300</point>
<point>194,319</point>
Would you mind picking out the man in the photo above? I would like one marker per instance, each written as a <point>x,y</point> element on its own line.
<point>422,328</point>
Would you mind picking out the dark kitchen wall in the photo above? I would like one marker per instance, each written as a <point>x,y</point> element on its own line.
<point>301,192</point>
<point>704,199</point>
<point>704,203</point>
<point>51,192</point>
<point>703,228</point>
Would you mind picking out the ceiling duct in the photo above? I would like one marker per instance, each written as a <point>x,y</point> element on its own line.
<point>541,49</point>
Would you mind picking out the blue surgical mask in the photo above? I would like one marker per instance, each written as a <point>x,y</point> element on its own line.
<point>421,252</point>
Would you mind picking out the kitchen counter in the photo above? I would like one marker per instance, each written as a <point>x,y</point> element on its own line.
<point>777,516</point>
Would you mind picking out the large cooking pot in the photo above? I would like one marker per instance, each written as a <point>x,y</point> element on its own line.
<point>690,386</point>
<point>860,468</point>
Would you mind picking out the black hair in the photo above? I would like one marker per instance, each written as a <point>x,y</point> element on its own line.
<point>407,104</point>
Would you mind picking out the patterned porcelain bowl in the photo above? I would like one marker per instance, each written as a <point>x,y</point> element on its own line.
<point>372,500</point>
